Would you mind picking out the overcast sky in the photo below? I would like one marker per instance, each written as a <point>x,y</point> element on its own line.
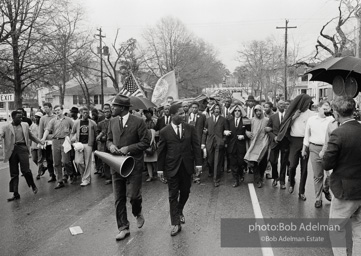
<point>226,24</point>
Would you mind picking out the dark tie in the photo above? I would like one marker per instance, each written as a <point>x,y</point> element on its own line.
<point>166,120</point>
<point>178,134</point>
<point>121,123</point>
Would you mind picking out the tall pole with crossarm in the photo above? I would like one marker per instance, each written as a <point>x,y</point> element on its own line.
<point>286,34</point>
<point>100,51</point>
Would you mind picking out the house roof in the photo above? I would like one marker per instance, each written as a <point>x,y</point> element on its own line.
<point>94,89</point>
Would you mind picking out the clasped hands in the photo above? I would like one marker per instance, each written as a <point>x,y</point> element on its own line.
<point>122,151</point>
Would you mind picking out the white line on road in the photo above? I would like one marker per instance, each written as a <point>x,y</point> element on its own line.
<point>266,251</point>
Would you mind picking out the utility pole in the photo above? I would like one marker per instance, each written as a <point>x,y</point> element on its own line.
<point>100,51</point>
<point>286,41</point>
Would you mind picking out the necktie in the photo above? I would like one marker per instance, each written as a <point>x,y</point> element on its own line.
<point>226,111</point>
<point>178,133</point>
<point>121,123</point>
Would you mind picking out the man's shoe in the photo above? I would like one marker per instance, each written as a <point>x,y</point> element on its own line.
<point>43,171</point>
<point>175,230</point>
<point>283,186</point>
<point>162,179</point>
<point>72,179</point>
<point>35,190</point>
<point>302,197</point>
<point>182,219</point>
<point>15,197</point>
<point>274,183</point>
<point>65,179</point>
<point>149,179</point>
<point>259,184</point>
<point>97,172</point>
<point>59,185</point>
<point>241,179</point>
<point>327,195</point>
<point>38,177</point>
<point>108,182</point>
<point>235,184</point>
<point>140,220</point>
<point>122,234</point>
<point>52,179</point>
<point>291,189</point>
<point>318,204</point>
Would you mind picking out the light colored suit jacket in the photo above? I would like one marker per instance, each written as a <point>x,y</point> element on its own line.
<point>8,135</point>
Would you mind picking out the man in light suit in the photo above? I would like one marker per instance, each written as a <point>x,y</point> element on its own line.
<point>127,135</point>
<point>178,151</point>
<point>16,137</point>
<point>273,127</point>
<point>216,128</point>
<point>163,120</point>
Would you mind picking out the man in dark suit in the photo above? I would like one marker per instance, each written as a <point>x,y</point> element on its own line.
<point>216,128</point>
<point>343,156</point>
<point>178,151</point>
<point>163,120</point>
<point>236,144</point>
<point>198,120</point>
<point>273,128</point>
<point>127,135</point>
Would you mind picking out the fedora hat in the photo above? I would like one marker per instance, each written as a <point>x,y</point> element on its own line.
<point>121,100</point>
<point>74,110</point>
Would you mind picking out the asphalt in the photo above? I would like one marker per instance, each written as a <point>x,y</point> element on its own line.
<point>39,224</point>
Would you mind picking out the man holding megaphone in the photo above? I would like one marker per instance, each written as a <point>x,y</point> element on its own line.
<point>128,136</point>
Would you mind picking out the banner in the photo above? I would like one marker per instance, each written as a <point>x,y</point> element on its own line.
<point>166,86</point>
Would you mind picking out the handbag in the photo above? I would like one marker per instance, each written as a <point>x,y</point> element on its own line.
<point>151,150</point>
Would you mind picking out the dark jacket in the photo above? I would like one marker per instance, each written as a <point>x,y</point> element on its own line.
<point>233,142</point>
<point>199,125</point>
<point>275,124</point>
<point>161,123</point>
<point>214,136</point>
<point>343,156</point>
<point>134,135</point>
<point>173,151</point>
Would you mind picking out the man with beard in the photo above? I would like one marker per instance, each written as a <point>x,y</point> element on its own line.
<point>215,130</point>
<point>16,136</point>
<point>178,152</point>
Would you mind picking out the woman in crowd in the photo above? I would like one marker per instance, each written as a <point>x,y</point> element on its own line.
<point>150,155</point>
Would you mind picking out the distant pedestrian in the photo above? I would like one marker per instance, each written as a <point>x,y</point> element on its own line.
<point>37,153</point>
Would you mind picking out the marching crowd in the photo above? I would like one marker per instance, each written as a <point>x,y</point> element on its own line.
<point>254,137</point>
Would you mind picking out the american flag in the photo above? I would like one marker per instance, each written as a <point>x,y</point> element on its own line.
<point>131,87</point>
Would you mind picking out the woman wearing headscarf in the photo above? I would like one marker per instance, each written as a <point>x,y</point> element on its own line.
<point>257,152</point>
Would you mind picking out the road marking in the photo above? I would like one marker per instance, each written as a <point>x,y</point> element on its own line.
<point>266,251</point>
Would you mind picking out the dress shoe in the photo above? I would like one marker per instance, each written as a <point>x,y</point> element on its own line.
<point>107,182</point>
<point>302,197</point>
<point>65,179</point>
<point>162,179</point>
<point>43,171</point>
<point>140,220</point>
<point>35,189</point>
<point>149,179</point>
<point>327,195</point>
<point>52,179</point>
<point>241,179</point>
<point>72,179</point>
<point>38,177</point>
<point>59,185</point>
<point>15,197</point>
<point>274,183</point>
<point>291,189</point>
<point>318,204</point>
<point>175,230</point>
<point>235,184</point>
<point>122,234</point>
<point>182,219</point>
<point>283,186</point>
<point>259,184</point>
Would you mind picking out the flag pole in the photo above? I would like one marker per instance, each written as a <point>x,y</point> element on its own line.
<point>140,88</point>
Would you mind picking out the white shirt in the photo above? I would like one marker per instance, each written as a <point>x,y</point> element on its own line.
<point>175,129</point>
<point>226,111</point>
<point>236,121</point>
<point>167,119</point>
<point>299,124</point>
<point>192,117</point>
<point>125,119</point>
<point>281,116</point>
<point>250,112</point>
<point>215,118</point>
<point>316,129</point>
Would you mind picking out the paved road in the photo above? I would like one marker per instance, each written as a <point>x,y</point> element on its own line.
<point>39,224</point>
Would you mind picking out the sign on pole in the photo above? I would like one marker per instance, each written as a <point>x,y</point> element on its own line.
<point>7,98</point>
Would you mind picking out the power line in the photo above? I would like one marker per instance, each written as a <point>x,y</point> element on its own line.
<point>286,33</point>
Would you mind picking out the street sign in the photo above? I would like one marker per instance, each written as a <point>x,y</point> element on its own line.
<point>7,97</point>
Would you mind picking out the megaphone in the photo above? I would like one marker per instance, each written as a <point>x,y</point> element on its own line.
<point>123,165</point>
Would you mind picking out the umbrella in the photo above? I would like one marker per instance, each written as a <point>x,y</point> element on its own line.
<point>141,103</point>
<point>344,73</point>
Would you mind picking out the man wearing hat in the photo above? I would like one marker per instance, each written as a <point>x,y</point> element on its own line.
<point>128,136</point>
<point>37,153</point>
<point>251,102</point>
<point>74,111</point>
